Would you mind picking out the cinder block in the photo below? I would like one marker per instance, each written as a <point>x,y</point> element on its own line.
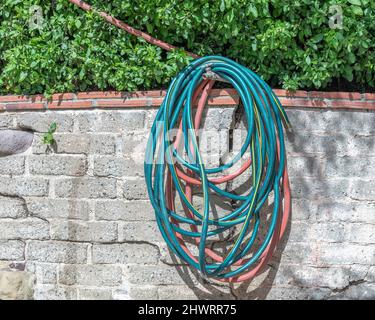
<point>83,231</point>
<point>86,188</point>
<point>107,166</point>
<point>53,292</point>
<point>94,294</point>
<point>12,250</point>
<point>160,275</point>
<point>350,211</point>
<point>90,275</point>
<point>46,208</point>
<point>29,228</point>
<point>57,252</point>
<point>306,166</point>
<point>45,273</point>
<point>79,144</point>
<point>143,292</point>
<point>40,122</point>
<point>12,165</point>
<point>362,233</point>
<point>125,253</point>
<point>58,165</point>
<point>124,210</point>
<point>345,254</point>
<point>362,190</point>
<point>135,189</point>
<point>23,186</point>
<point>12,207</point>
<point>310,188</point>
<point>139,231</point>
<point>351,166</point>
<point>122,121</point>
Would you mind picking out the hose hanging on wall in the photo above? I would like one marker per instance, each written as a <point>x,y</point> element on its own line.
<point>169,174</point>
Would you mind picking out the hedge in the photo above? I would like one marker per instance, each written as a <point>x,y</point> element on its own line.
<point>289,43</point>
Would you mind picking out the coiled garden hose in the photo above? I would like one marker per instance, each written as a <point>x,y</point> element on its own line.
<point>169,174</point>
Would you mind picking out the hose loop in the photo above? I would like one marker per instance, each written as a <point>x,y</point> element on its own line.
<point>175,170</point>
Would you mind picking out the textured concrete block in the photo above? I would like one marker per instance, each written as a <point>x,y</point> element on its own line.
<point>306,166</point>
<point>329,232</point>
<point>46,208</point>
<point>159,275</point>
<point>57,252</point>
<point>80,144</point>
<point>83,231</point>
<point>23,186</point>
<point>107,166</point>
<point>90,275</point>
<point>341,121</point>
<point>143,292</point>
<point>350,166</point>
<point>30,228</point>
<point>88,121</point>
<point>12,165</point>
<point>86,188</point>
<point>94,294</point>
<point>124,210</point>
<point>40,122</point>
<point>135,189</point>
<point>125,253</point>
<point>12,207</point>
<point>309,188</point>
<point>362,190</point>
<point>304,142</point>
<point>305,276</point>
<point>134,145</point>
<point>14,142</point>
<point>122,121</point>
<point>329,210</point>
<point>362,233</point>
<point>346,254</point>
<point>45,273</point>
<point>6,121</point>
<point>139,231</point>
<point>361,291</point>
<point>58,165</point>
<point>12,250</point>
<point>53,292</point>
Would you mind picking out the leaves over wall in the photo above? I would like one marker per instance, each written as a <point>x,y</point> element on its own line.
<point>289,43</point>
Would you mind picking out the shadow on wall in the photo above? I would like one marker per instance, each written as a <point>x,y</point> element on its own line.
<point>330,155</point>
<point>256,289</point>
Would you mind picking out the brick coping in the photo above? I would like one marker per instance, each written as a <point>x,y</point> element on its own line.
<point>219,97</point>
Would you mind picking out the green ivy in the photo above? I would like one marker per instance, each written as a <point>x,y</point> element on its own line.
<point>289,43</point>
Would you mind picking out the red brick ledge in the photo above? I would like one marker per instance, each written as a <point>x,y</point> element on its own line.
<point>222,97</point>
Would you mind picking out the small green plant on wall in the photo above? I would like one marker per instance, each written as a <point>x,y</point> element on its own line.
<point>48,138</point>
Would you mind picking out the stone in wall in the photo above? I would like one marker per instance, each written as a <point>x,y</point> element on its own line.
<point>14,141</point>
<point>15,284</point>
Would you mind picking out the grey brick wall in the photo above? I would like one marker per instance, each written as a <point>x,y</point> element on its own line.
<point>77,220</point>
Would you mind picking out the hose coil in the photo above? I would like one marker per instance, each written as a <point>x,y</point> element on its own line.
<point>169,174</point>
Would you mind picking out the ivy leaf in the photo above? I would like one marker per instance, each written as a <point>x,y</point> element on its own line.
<point>53,127</point>
<point>23,76</point>
<point>357,11</point>
<point>356,2</point>
<point>222,6</point>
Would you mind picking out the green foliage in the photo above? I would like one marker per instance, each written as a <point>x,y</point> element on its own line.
<point>289,43</point>
<point>48,137</point>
